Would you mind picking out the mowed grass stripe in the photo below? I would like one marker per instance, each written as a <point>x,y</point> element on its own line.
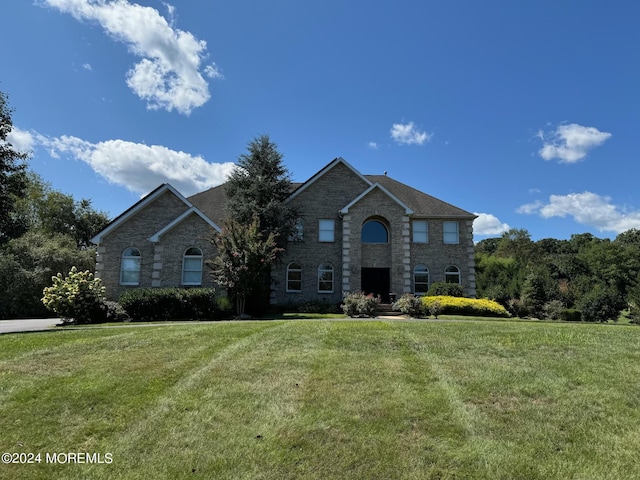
<point>343,399</point>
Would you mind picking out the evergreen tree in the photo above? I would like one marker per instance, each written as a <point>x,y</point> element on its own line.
<point>259,186</point>
<point>12,176</point>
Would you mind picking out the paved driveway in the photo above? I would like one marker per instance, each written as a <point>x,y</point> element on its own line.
<point>28,325</point>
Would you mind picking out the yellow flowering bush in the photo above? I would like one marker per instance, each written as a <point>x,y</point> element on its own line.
<point>77,297</point>
<point>481,307</point>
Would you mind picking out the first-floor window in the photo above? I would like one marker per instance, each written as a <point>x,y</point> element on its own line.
<point>452,274</point>
<point>192,267</point>
<point>325,278</point>
<point>294,277</point>
<point>130,267</point>
<point>420,279</point>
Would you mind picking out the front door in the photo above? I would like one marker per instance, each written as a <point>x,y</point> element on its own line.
<point>376,281</point>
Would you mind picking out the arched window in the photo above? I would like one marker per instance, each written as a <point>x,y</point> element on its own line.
<point>294,277</point>
<point>374,231</point>
<point>420,279</point>
<point>192,267</point>
<point>130,267</point>
<point>452,274</point>
<point>325,278</point>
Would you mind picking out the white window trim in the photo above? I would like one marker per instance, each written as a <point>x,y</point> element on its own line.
<point>413,231</point>
<point>444,233</point>
<point>332,230</point>
<point>184,257</point>
<point>324,270</point>
<point>289,269</point>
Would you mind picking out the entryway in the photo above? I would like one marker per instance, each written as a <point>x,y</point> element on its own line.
<point>376,281</point>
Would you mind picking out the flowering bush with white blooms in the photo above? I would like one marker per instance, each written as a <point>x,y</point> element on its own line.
<point>78,297</point>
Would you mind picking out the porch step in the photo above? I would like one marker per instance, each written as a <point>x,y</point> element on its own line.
<point>386,310</point>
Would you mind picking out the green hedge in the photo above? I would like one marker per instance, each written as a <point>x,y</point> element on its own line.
<point>481,307</point>
<point>159,304</point>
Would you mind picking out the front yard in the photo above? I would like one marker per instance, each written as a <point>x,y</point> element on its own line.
<point>324,399</point>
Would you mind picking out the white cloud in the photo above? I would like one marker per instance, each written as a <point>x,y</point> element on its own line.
<point>408,134</point>
<point>570,143</point>
<point>21,140</point>
<point>87,66</point>
<point>168,76</point>
<point>373,145</point>
<point>488,224</point>
<point>138,167</point>
<point>587,208</point>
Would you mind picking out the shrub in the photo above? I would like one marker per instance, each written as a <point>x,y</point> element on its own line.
<point>570,315</point>
<point>159,304</point>
<point>466,306</point>
<point>410,305</point>
<point>78,297</point>
<point>114,312</point>
<point>357,304</point>
<point>445,289</point>
<point>553,309</point>
<point>435,309</point>
<point>600,304</point>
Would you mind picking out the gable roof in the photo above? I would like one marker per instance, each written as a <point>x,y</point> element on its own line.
<point>407,209</point>
<point>192,211</point>
<point>143,202</point>
<point>423,205</point>
<point>319,174</point>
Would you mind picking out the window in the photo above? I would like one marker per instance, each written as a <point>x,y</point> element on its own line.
<point>420,231</point>
<point>325,278</point>
<point>294,277</point>
<point>452,274</point>
<point>298,232</point>
<point>450,232</point>
<point>326,230</point>
<point>420,279</point>
<point>374,231</point>
<point>130,268</point>
<point>192,267</point>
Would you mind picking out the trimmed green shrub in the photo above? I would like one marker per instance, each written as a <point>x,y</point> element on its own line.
<point>410,305</point>
<point>357,304</point>
<point>600,305</point>
<point>445,289</point>
<point>466,306</point>
<point>114,312</point>
<point>78,297</point>
<point>160,304</point>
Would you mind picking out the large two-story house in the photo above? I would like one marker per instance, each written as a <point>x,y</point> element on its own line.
<point>356,232</point>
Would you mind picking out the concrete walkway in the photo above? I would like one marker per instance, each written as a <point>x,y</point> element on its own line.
<point>27,325</point>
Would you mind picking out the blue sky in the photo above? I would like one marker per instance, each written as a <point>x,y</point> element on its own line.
<point>525,113</point>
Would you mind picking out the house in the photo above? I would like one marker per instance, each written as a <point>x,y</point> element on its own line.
<point>356,232</point>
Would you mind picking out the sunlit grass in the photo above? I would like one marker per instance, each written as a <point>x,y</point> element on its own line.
<point>319,399</point>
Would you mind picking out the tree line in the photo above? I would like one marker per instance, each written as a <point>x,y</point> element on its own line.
<point>593,278</point>
<point>42,231</point>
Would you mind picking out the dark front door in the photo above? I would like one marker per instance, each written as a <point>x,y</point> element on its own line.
<point>376,281</point>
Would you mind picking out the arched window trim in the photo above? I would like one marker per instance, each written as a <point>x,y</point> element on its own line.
<point>420,269</point>
<point>130,266</point>
<point>294,285</point>
<point>450,272</point>
<point>380,222</point>
<point>192,264</point>
<point>325,278</point>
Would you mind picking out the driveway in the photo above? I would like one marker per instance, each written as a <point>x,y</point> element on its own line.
<point>27,325</point>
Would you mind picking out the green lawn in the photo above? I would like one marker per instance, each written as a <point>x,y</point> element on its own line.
<point>325,399</point>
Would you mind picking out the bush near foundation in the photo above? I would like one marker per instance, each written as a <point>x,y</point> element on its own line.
<point>357,304</point>
<point>466,306</point>
<point>78,297</point>
<point>161,304</point>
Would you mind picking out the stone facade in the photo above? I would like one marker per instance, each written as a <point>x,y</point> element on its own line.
<point>318,266</point>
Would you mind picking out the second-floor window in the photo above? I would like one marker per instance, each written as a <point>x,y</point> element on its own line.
<point>450,232</point>
<point>420,231</point>
<point>326,230</point>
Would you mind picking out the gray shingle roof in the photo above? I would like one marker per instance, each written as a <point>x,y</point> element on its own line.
<point>212,202</point>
